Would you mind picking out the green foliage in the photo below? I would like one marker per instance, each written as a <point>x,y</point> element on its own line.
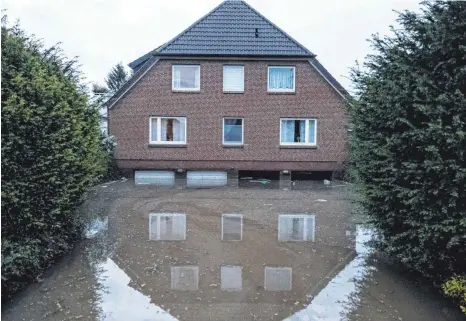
<point>456,288</point>
<point>99,89</point>
<point>117,77</point>
<point>408,148</point>
<point>108,145</point>
<point>50,155</point>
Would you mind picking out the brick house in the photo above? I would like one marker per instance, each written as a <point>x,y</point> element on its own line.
<point>232,92</point>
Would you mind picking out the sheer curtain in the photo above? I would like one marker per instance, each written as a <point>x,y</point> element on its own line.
<point>177,76</point>
<point>164,125</point>
<point>312,134</point>
<point>154,130</point>
<point>179,130</point>
<point>287,131</point>
<point>302,132</point>
<point>293,131</point>
<point>281,78</point>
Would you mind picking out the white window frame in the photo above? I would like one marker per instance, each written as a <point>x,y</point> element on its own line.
<point>241,232</point>
<point>242,132</point>
<point>186,89</point>
<point>299,216</point>
<point>306,132</point>
<point>158,216</point>
<point>279,90</point>
<point>232,91</point>
<point>159,131</point>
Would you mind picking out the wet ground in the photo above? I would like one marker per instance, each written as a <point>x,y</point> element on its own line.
<point>225,254</point>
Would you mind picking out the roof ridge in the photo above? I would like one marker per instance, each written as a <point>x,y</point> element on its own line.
<point>274,25</point>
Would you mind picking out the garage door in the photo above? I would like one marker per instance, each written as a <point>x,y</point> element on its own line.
<point>159,178</point>
<point>206,179</point>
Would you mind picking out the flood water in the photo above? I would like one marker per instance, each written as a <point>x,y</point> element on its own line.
<point>225,254</point>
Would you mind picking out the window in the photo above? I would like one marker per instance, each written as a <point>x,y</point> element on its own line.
<point>281,79</point>
<point>231,278</point>
<point>296,228</point>
<point>184,278</point>
<point>233,131</point>
<point>167,227</point>
<point>278,278</point>
<point>298,131</point>
<point>232,227</point>
<point>186,77</point>
<point>233,79</point>
<point>167,130</point>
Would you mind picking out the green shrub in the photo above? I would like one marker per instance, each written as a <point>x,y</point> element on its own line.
<point>112,172</point>
<point>50,156</point>
<point>455,287</point>
<point>408,147</point>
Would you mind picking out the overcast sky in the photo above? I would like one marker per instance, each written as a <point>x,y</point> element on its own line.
<point>104,32</point>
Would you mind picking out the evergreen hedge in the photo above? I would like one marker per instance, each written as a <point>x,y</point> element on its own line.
<point>50,155</point>
<point>408,147</point>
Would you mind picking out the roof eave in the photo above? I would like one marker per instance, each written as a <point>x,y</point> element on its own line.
<point>191,55</point>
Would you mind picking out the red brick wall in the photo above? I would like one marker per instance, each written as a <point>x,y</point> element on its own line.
<point>153,96</point>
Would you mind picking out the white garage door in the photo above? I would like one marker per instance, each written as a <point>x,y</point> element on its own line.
<point>206,179</point>
<point>159,178</point>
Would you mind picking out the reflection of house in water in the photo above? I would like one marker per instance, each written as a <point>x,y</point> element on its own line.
<point>226,258</point>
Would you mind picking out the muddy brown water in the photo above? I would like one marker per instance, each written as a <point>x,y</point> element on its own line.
<point>238,268</point>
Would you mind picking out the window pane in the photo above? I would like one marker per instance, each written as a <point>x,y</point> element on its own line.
<point>233,78</point>
<point>233,130</point>
<point>293,131</point>
<point>312,127</point>
<point>281,78</point>
<point>153,134</point>
<point>173,130</point>
<point>186,77</point>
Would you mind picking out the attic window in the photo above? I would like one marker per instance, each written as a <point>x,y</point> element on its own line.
<point>257,32</point>
<point>186,77</point>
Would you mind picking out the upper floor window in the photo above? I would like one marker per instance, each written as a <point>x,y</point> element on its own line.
<point>281,79</point>
<point>233,79</point>
<point>298,131</point>
<point>186,77</point>
<point>167,130</point>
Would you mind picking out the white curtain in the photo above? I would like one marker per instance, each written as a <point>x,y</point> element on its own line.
<point>289,129</point>
<point>176,130</point>
<point>179,131</point>
<point>302,131</point>
<point>281,78</point>
<point>177,80</point>
<point>154,129</point>
<point>164,123</point>
<point>312,127</point>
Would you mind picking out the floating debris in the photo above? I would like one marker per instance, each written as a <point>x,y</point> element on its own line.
<point>95,227</point>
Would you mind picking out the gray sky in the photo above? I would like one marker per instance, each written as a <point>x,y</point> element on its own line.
<point>104,32</point>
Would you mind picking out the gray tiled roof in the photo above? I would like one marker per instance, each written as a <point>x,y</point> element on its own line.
<point>230,29</point>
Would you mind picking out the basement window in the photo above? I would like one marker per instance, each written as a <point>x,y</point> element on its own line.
<point>186,78</point>
<point>298,131</point>
<point>167,130</point>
